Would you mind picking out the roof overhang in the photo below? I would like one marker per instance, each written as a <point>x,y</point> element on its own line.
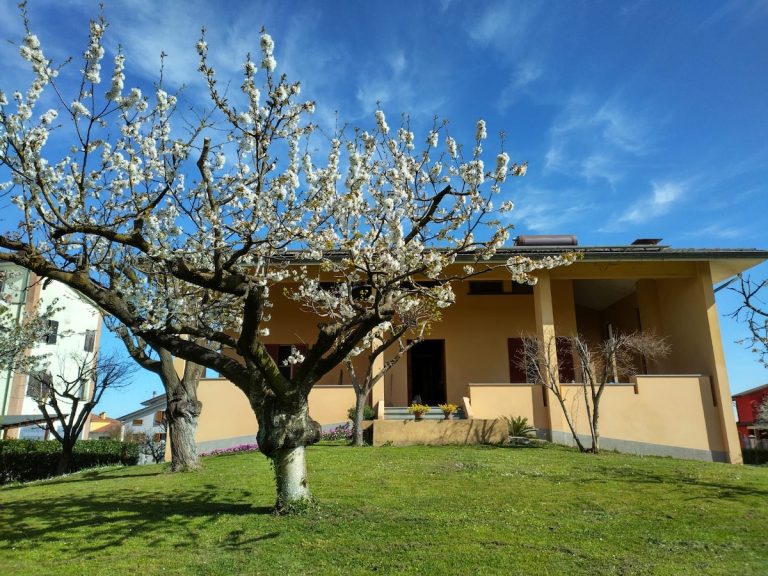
<point>17,420</point>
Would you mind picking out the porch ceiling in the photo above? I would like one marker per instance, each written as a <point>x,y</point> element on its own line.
<point>599,294</point>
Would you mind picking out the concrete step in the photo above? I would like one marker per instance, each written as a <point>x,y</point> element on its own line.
<point>401,413</point>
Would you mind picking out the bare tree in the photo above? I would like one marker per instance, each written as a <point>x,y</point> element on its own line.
<point>413,319</point>
<point>753,311</point>
<point>68,400</point>
<point>599,364</point>
<point>151,444</point>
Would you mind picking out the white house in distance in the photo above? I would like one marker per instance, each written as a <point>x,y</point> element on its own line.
<point>74,330</point>
<point>149,420</point>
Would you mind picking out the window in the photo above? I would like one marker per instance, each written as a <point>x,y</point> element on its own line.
<point>137,422</point>
<point>52,330</point>
<point>518,288</point>
<point>486,287</point>
<point>157,437</point>
<point>159,417</point>
<point>90,340</point>
<point>38,385</point>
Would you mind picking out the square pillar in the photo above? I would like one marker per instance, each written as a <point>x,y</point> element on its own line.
<point>545,332</point>
<point>718,373</point>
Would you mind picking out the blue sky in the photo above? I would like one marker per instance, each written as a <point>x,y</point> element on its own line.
<point>638,119</point>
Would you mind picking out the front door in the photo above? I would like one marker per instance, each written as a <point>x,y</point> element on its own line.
<point>426,372</point>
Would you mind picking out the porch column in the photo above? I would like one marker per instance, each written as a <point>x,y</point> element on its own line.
<point>718,373</point>
<point>545,330</point>
<point>377,392</point>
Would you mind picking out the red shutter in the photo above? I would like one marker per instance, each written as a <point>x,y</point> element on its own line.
<point>515,352</point>
<point>565,360</point>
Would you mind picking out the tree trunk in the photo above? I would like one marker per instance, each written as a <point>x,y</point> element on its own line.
<point>357,424</point>
<point>181,416</point>
<point>182,425</point>
<point>285,428</point>
<point>595,429</point>
<point>291,479</point>
<point>65,459</point>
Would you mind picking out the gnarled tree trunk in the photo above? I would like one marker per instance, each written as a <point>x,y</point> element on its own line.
<point>182,411</point>
<point>285,428</point>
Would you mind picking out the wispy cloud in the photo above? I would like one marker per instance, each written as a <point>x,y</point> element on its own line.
<point>543,210</point>
<point>524,76</point>
<point>663,196</point>
<point>502,23</point>
<point>595,140</point>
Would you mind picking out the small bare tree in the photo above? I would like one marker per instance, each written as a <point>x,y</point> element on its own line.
<point>151,444</point>
<point>414,317</point>
<point>67,402</point>
<point>599,364</point>
<point>753,311</point>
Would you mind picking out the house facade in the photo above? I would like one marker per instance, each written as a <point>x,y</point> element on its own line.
<point>751,433</point>
<point>148,420</point>
<point>73,331</point>
<point>678,405</point>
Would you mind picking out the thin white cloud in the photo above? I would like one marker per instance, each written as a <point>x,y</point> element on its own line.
<point>722,231</point>
<point>596,140</point>
<point>502,24</point>
<point>524,76</point>
<point>663,196</point>
<point>548,211</point>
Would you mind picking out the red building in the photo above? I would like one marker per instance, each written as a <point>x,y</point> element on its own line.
<point>747,404</point>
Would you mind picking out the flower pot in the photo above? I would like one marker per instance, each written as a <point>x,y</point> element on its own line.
<point>448,415</point>
<point>418,416</point>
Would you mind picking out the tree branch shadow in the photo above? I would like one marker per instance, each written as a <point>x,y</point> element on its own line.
<point>100,521</point>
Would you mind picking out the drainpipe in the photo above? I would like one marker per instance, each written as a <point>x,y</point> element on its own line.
<point>9,376</point>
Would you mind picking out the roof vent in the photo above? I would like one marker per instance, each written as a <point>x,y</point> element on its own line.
<point>646,242</point>
<point>547,240</point>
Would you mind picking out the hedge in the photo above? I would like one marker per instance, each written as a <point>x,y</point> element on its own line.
<point>25,460</point>
<point>755,455</point>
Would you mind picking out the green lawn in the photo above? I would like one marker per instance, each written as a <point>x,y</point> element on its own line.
<point>420,510</point>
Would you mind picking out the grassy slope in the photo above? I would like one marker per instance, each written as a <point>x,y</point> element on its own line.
<point>421,510</point>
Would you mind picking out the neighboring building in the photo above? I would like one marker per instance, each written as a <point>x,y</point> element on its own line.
<point>102,426</point>
<point>74,330</point>
<point>751,432</point>
<point>679,405</point>
<point>148,420</point>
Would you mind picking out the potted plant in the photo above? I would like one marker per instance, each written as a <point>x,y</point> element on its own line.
<point>448,410</point>
<point>418,410</point>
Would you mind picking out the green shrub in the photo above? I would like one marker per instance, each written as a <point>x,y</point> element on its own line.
<point>26,460</point>
<point>519,426</point>
<point>368,413</point>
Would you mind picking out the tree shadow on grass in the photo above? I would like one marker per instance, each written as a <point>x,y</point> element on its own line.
<point>709,488</point>
<point>94,522</point>
<point>90,476</point>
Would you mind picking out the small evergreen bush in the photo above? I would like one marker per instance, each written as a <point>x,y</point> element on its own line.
<point>368,413</point>
<point>518,426</point>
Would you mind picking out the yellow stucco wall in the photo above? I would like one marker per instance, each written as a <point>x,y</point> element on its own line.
<point>670,298</point>
<point>227,413</point>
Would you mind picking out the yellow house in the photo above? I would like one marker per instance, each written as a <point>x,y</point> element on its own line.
<point>679,406</point>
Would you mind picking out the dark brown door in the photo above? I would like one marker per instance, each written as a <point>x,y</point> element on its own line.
<point>426,372</point>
